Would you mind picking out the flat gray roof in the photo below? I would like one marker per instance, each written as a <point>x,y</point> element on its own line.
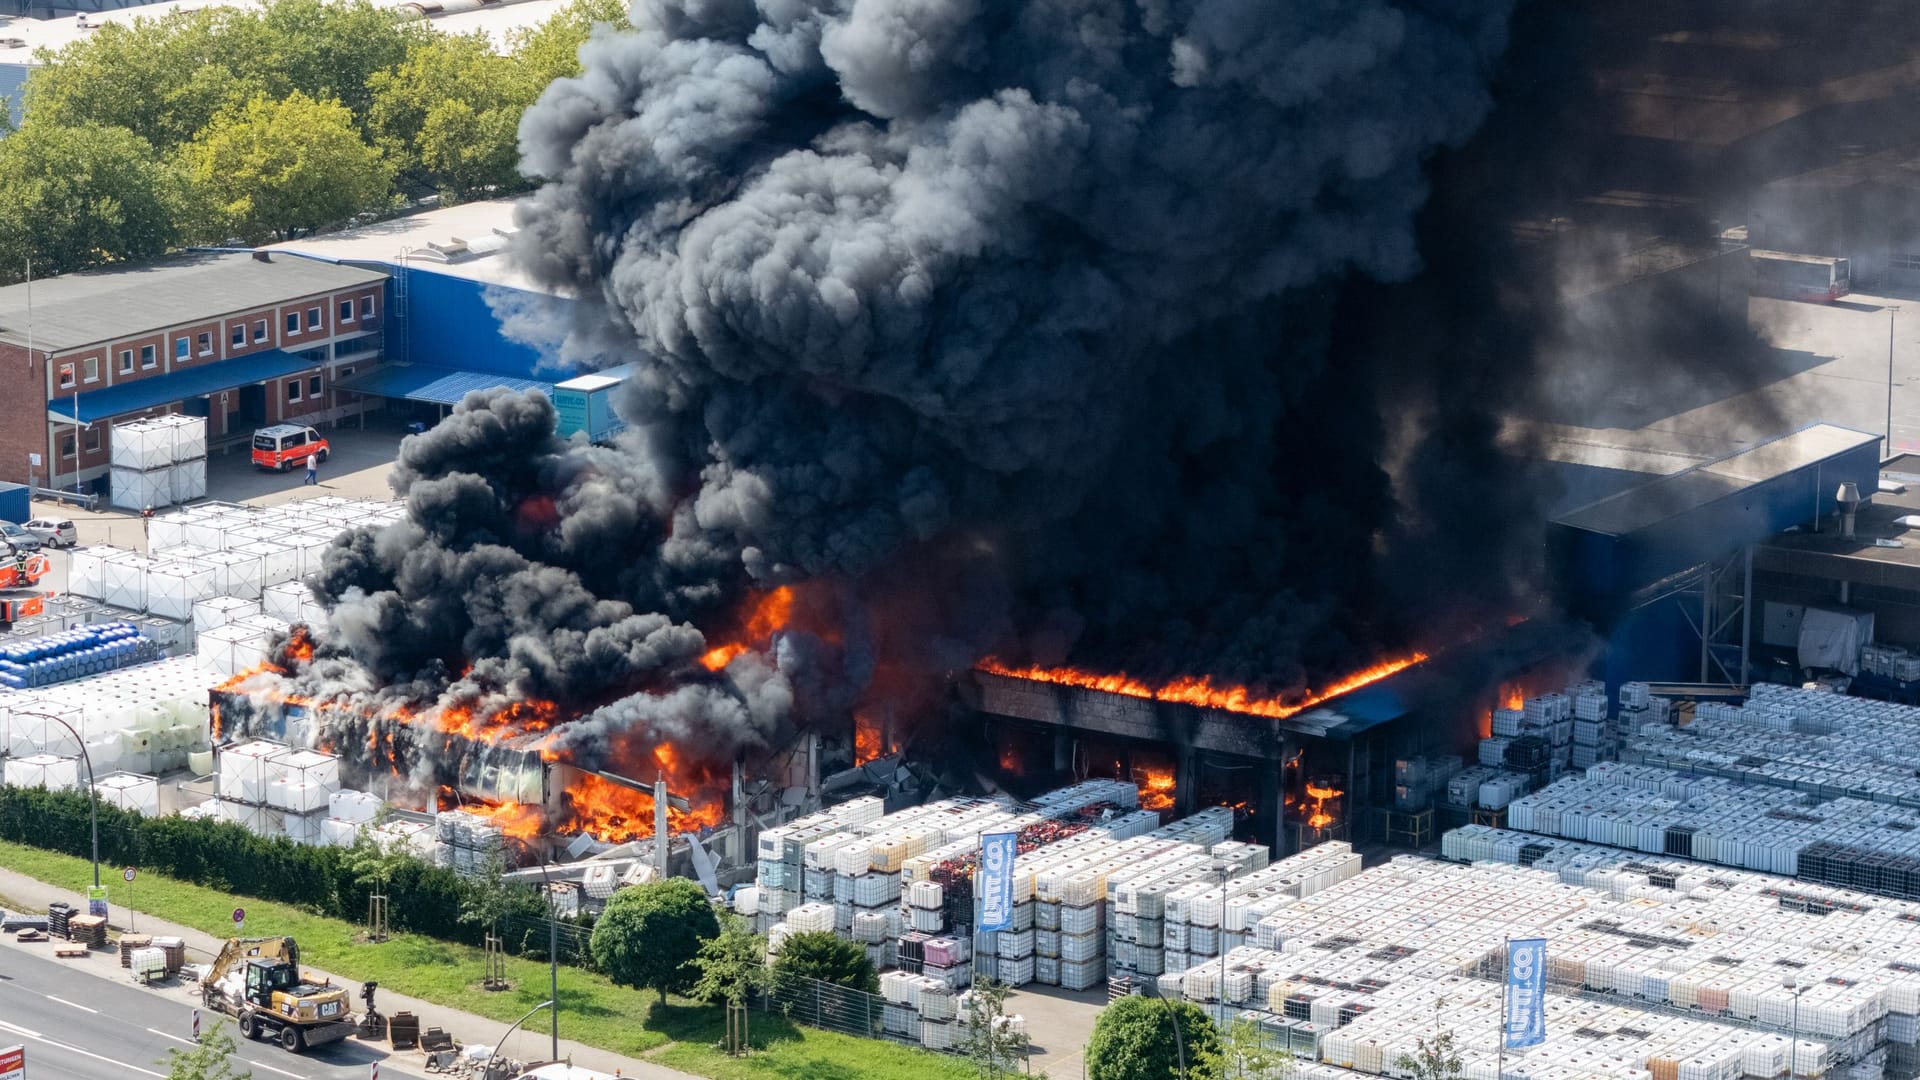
<point>1638,507</point>
<point>105,305</point>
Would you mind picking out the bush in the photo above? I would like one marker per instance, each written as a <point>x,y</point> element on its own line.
<point>649,935</point>
<point>224,856</point>
<point>826,958</point>
<point>1134,1040</point>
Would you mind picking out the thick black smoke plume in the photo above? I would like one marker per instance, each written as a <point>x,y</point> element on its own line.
<point>1002,326</point>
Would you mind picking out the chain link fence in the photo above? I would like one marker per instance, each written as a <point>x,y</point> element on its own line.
<point>855,1012</point>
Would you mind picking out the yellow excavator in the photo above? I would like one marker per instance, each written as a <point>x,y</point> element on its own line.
<point>258,982</point>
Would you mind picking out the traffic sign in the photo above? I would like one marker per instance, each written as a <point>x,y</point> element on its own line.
<point>13,1062</point>
<point>239,917</point>
<point>128,874</point>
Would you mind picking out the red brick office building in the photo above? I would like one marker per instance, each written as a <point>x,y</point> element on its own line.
<point>245,339</point>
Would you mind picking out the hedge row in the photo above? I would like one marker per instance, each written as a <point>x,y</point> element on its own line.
<point>225,856</point>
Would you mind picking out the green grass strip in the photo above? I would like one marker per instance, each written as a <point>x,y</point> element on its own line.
<point>593,1011</point>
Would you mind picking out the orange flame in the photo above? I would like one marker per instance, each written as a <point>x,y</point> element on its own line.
<point>1203,692</point>
<point>769,616</point>
<point>867,744</point>
<point>1319,793</point>
<point>1156,788</point>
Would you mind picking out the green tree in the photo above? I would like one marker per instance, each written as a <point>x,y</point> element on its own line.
<point>993,1046</point>
<point>733,967</point>
<point>649,935</point>
<point>825,958</point>
<point>163,79</point>
<point>449,115</point>
<point>1246,1054</point>
<point>74,197</point>
<point>1435,1059</point>
<point>551,50</point>
<point>277,169</point>
<point>207,1061</point>
<point>1134,1039</point>
<point>374,864</point>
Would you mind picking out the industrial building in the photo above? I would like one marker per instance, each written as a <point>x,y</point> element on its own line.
<point>451,283</point>
<point>243,339</point>
<point>1865,210</point>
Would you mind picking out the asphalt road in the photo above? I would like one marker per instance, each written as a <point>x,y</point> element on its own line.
<point>78,1025</point>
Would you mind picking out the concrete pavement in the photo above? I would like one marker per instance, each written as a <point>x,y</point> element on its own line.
<point>80,981</point>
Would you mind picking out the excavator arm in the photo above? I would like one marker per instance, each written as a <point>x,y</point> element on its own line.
<point>238,951</point>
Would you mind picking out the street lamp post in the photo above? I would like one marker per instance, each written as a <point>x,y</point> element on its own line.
<point>553,955</point>
<point>495,1056</point>
<point>93,793</point>
<point>1179,1040</point>
<point>1225,870</point>
<point>1893,313</point>
<point>1793,1045</point>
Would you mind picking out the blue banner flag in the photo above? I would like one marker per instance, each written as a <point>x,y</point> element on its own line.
<point>1526,1020</point>
<point>996,881</point>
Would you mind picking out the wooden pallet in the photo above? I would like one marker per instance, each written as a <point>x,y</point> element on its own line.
<point>72,951</point>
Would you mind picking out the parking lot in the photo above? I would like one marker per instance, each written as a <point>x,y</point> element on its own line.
<point>357,468</point>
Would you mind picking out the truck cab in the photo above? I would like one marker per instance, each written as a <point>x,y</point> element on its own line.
<point>286,446</point>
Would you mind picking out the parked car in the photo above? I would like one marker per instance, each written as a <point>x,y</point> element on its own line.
<point>18,537</point>
<point>54,532</point>
<point>286,446</point>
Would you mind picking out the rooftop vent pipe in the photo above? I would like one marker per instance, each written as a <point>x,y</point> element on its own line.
<point>1849,499</point>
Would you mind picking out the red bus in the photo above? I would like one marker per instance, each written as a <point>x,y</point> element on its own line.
<point>1820,278</point>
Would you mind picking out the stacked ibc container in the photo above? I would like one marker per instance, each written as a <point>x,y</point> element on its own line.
<point>348,812</point>
<point>1418,781</point>
<point>469,843</point>
<point>244,777</point>
<point>1196,924</point>
<point>303,793</point>
<point>779,852</point>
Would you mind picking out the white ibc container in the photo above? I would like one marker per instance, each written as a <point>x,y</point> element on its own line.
<point>255,819</point>
<point>278,562</point>
<point>303,828</point>
<point>123,582</point>
<point>43,770</point>
<point>235,573</point>
<point>167,532</point>
<point>221,610</point>
<point>173,588</point>
<point>354,806</point>
<point>339,833</point>
<point>185,436</point>
<point>28,735</point>
<point>138,445</point>
<point>926,894</point>
<point>312,547</point>
<point>128,791</point>
<point>247,769</point>
<point>187,480</point>
<point>297,796</point>
<point>137,489</point>
<point>230,649</point>
<point>282,600</point>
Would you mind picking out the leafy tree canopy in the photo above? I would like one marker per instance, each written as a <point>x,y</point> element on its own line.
<point>649,935</point>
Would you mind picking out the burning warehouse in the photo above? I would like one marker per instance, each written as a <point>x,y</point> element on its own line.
<point>1298,772</point>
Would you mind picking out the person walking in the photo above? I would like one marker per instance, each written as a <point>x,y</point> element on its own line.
<point>313,468</point>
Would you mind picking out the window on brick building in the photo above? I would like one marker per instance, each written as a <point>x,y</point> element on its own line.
<point>66,375</point>
<point>93,439</point>
<point>293,322</point>
<point>313,387</point>
<point>126,361</point>
<point>293,391</point>
<point>149,356</point>
<point>313,318</point>
<point>205,342</point>
<point>66,446</point>
<point>346,311</point>
<point>260,330</point>
<point>366,307</point>
<point>182,349</point>
<point>92,368</point>
<point>239,338</point>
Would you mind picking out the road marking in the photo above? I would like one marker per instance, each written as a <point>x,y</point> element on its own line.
<point>70,1004</point>
<point>269,1068</point>
<point>175,1038</point>
<point>37,1037</point>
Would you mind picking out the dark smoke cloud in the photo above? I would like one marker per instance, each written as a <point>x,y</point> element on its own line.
<point>1002,325</point>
